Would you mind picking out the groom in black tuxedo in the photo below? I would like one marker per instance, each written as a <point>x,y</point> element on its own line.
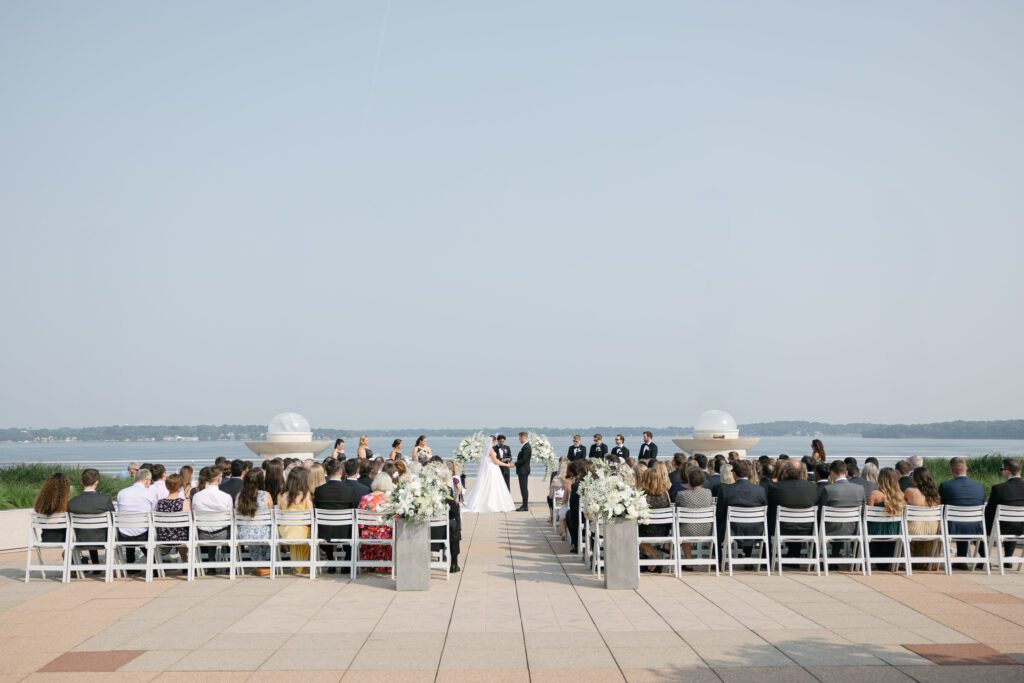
<point>523,470</point>
<point>504,454</point>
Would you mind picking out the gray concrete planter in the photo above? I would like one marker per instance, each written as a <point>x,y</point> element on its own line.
<point>412,556</point>
<point>621,553</point>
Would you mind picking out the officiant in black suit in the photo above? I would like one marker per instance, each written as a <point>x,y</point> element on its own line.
<point>648,449</point>
<point>523,470</point>
<point>620,447</point>
<point>577,451</point>
<point>504,454</point>
<point>599,449</point>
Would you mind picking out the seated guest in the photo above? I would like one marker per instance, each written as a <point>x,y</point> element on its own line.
<point>822,474</point>
<point>578,470</point>
<point>1010,492</point>
<point>904,468</point>
<point>317,476</point>
<point>209,498</point>
<point>366,468</point>
<point>296,496</point>
<point>159,486</point>
<point>923,493</point>
<point>173,502</point>
<point>767,475</point>
<point>695,496</point>
<point>792,491</point>
<point>563,511</point>
<point>273,479</point>
<point>713,478</point>
<point>679,485</point>
<point>841,494</point>
<point>961,490</point>
<point>741,494</point>
<point>871,461</point>
<point>186,473</point>
<point>853,474</point>
<point>655,488</point>
<point>336,494</point>
<point>870,473</point>
<point>232,485</point>
<point>676,476</point>
<point>129,472</point>
<point>52,499</point>
<point>252,499</point>
<point>555,484</point>
<point>91,502</point>
<point>454,531</point>
<point>382,487</point>
<point>138,497</point>
<point>888,496</point>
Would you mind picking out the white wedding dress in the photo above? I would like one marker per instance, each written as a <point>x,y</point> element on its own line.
<point>489,493</point>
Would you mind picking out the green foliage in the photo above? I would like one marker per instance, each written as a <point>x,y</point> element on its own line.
<point>20,484</point>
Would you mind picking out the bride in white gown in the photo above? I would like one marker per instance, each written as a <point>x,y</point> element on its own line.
<point>489,493</point>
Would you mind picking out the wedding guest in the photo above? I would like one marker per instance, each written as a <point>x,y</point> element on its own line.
<point>296,496</point>
<point>232,485</point>
<point>648,449</point>
<point>363,451</point>
<point>381,489</point>
<point>714,478</point>
<point>274,479</point>
<point>339,450</point>
<point>186,472</point>
<point>662,470</point>
<point>904,468</point>
<point>599,449</point>
<point>576,451</point>
<point>822,474</point>
<point>923,493</point>
<point>818,451</point>
<point>620,449</point>
<point>1010,492</point>
<point>888,496</point>
<point>742,493</point>
<point>422,450</point>
<point>52,499</point>
<point>317,477</point>
<point>654,486</point>
<point>130,471</point>
<point>733,457</point>
<point>401,469</point>
<point>554,484</point>
<point>853,473</point>
<point>728,479</point>
<point>841,493</point>
<point>159,485</point>
<point>792,491</point>
<point>767,475</point>
<point>225,471</point>
<point>174,502</point>
<point>696,496</point>
<point>871,473</point>
<point>563,511</point>
<point>136,498</point>
<point>366,471</point>
<point>211,499</point>
<point>389,469</point>
<point>338,494</point>
<point>254,498</point>
<point>456,471</point>
<point>678,473</point>
<point>91,502</point>
<point>871,460</point>
<point>396,449</point>
<point>577,471</point>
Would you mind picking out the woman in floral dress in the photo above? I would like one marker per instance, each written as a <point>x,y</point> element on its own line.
<point>382,486</point>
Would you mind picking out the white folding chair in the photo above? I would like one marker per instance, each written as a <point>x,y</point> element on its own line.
<point>928,515</point>
<point>752,515</point>
<point>664,516</point>
<point>373,518</point>
<point>556,502</point>
<point>977,551</point>
<point>853,542</point>
<point>581,529</point>
<point>1010,514</point>
<point>587,532</point>
<point>690,516</point>
<point>39,524</point>
<point>100,523</point>
<point>164,521</point>
<point>262,519</point>
<point>142,543</point>
<point>804,516</point>
<point>597,551</point>
<point>335,518</point>
<point>901,547</point>
<point>290,519</point>
<point>223,559</point>
<point>441,548</point>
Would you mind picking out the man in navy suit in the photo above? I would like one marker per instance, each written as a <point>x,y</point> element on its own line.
<point>960,490</point>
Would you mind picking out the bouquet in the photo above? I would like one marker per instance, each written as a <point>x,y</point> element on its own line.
<point>420,497</point>
<point>471,448</point>
<point>541,449</point>
<point>605,494</point>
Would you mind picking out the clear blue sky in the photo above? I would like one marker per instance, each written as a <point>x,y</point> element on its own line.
<point>456,214</point>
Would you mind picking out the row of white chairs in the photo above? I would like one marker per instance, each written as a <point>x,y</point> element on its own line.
<point>228,553</point>
<point>837,536</point>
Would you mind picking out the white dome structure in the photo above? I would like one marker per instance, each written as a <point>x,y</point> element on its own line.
<point>714,433</point>
<point>288,435</point>
<point>715,424</point>
<point>289,427</point>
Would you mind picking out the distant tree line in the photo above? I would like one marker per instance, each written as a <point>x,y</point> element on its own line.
<point>960,429</point>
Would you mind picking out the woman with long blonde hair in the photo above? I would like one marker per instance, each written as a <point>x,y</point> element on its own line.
<point>363,451</point>
<point>888,496</point>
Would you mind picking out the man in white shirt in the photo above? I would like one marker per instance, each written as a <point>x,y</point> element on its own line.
<point>159,481</point>
<point>212,499</point>
<point>138,497</point>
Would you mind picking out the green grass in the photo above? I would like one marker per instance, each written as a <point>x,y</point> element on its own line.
<point>19,484</point>
<point>985,469</point>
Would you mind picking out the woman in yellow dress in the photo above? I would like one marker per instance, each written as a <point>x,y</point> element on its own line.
<point>296,497</point>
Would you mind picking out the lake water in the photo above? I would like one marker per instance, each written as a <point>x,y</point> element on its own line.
<point>111,457</point>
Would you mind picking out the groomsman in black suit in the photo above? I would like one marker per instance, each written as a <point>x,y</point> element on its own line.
<point>648,449</point>
<point>504,454</point>
<point>620,447</point>
<point>577,451</point>
<point>523,470</point>
<point>599,449</point>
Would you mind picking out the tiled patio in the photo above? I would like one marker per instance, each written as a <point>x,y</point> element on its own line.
<point>522,610</point>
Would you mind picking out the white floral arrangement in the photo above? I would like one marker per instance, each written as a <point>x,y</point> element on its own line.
<point>471,448</point>
<point>605,494</point>
<point>419,497</point>
<point>540,448</point>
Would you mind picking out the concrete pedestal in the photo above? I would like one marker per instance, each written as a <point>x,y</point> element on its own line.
<point>412,556</point>
<point>621,566</point>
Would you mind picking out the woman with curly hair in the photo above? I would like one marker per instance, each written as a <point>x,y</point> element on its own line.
<point>52,499</point>
<point>923,493</point>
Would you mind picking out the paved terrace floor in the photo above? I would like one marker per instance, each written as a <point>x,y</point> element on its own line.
<point>523,609</point>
